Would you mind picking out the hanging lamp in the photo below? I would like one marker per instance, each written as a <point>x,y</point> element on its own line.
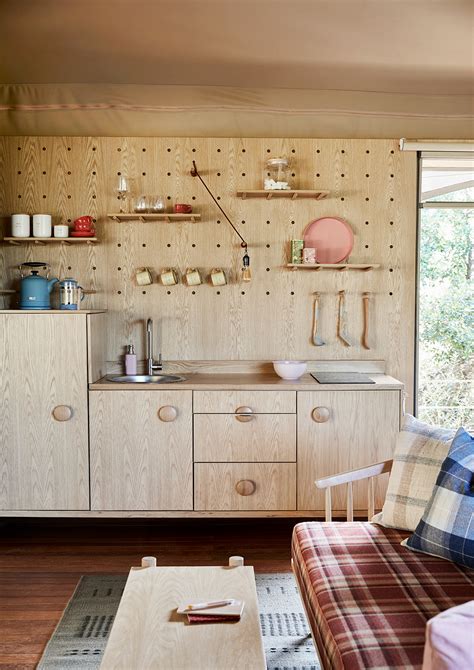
<point>246,272</point>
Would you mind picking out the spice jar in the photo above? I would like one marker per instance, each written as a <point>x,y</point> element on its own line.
<point>278,175</point>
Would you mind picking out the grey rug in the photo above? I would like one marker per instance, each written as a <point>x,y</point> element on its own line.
<point>79,640</point>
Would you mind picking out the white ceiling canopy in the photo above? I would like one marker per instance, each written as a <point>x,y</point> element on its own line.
<point>407,64</point>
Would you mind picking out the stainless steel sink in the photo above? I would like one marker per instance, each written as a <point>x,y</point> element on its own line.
<point>146,379</point>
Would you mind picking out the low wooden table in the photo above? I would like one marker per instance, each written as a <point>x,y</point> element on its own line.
<point>147,634</point>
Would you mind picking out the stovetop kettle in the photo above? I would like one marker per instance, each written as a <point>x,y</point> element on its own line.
<point>35,289</point>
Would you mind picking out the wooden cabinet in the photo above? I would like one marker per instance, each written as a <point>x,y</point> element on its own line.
<point>141,450</point>
<point>43,412</point>
<point>342,430</point>
<point>244,450</point>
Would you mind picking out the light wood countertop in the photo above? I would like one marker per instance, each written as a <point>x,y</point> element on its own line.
<point>258,382</point>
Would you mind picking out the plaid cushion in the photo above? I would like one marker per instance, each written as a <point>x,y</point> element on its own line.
<point>419,453</point>
<point>367,598</point>
<point>447,526</point>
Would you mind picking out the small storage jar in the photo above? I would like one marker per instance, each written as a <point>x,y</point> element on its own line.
<point>279,175</point>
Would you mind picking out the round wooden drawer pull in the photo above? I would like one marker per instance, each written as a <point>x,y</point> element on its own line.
<point>167,413</point>
<point>320,414</point>
<point>244,413</point>
<point>62,413</point>
<point>245,487</point>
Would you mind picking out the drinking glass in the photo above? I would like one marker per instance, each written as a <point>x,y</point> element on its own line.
<point>123,189</point>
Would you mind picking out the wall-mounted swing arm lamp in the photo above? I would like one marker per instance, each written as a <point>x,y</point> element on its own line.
<point>246,273</point>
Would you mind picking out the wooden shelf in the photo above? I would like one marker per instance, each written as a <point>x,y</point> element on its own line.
<point>41,241</point>
<point>154,217</point>
<point>340,267</point>
<point>292,195</point>
<point>7,291</point>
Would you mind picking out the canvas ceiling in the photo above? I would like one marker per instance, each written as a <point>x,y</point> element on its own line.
<point>378,68</point>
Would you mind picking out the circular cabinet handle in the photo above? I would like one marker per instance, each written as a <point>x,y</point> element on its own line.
<point>244,413</point>
<point>320,414</point>
<point>62,412</point>
<point>167,413</point>
<point>245,487</point>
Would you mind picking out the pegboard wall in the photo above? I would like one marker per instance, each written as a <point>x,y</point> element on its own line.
<point>372,186</point>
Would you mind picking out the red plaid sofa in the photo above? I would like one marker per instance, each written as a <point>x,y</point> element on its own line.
<point>367,598</point>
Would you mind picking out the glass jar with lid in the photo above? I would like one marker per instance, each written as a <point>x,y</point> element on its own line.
<point>279,175</point>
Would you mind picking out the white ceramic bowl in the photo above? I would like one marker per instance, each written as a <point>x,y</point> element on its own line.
<point>290,370</point>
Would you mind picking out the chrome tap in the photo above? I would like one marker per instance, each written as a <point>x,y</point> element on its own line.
<point>151,365</point>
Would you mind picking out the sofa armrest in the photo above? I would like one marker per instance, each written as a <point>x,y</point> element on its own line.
<point>368,472</point>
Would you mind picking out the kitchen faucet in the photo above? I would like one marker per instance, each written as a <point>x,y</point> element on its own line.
<point>151,365</point>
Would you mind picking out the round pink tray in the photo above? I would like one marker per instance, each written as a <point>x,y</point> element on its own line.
<point>332,238</point>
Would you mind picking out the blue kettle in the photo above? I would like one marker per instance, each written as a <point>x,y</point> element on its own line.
<point>34,289</point>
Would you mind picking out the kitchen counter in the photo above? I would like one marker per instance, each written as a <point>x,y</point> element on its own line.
<point>257,381</point>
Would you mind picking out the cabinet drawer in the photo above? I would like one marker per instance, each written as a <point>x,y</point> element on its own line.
<point>244,486</point>
<point>234,438</point>
<point>260,402</point>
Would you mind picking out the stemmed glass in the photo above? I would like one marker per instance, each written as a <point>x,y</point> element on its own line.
<point>123,189</point>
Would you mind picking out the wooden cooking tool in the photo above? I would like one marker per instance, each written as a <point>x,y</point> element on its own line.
<point>365,333</point>
<point>317,339</point>
<point>342,320</point>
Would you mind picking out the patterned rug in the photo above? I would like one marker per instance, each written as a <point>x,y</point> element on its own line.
<point>81,635</point>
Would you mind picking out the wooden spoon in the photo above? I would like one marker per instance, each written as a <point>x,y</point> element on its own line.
<point>365,334</point>
<point>317,339</point>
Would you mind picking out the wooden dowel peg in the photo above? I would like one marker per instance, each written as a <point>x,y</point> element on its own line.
<point>236,561</point>
<point>149,562</point>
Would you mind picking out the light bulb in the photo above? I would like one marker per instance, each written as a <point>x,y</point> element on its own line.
<point>246,272</point>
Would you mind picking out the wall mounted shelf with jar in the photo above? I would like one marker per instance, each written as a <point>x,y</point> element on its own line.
<point>340,267</point>
<point>133,216</point>
<point>41,241</point>
<point>284,193</point>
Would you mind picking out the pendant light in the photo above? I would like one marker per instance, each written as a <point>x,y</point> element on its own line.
<point>246,272</point>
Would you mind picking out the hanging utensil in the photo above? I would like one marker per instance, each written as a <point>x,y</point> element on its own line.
<point>365,333</point>
<point>317,339</point>
<point>342,320</point>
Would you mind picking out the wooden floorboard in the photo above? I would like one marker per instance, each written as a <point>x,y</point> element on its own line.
<point>42,561</point>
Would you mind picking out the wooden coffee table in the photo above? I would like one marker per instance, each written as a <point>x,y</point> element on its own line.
<point>147,634</point>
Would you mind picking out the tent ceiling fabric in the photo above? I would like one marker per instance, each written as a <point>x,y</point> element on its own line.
<point>286,67</point>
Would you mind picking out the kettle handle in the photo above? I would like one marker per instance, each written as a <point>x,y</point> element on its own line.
<point>34,264</point>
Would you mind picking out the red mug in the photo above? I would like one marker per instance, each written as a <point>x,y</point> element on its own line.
<point>83,224</point>
<point>182,208</point>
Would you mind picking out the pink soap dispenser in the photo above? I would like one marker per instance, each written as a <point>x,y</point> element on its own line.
<point>130,361</point>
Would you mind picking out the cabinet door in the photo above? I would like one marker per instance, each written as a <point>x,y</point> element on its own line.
<point>43,412</point>
<point>358,428</point>
<point>141,450</point>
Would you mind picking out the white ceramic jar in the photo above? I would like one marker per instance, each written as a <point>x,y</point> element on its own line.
<point>20,225</point>
<point>42,225</point>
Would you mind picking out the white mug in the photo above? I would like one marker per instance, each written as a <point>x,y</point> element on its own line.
<point>61,231</point>
<point>20,225</point>
<point>218,277</point>
<point>41,225</point>
<point>143,277</point>
<point>169,277</point>
<point>192,277</point>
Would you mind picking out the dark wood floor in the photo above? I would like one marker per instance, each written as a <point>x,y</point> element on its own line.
<point>41,562</point>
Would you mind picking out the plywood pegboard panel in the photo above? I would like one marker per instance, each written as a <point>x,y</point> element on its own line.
<point>372,185</point>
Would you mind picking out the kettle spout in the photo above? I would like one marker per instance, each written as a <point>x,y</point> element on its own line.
<point>51,283</point>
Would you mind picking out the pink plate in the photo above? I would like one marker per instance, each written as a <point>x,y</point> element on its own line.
<point>332,238</point>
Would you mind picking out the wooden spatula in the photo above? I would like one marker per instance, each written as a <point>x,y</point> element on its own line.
<point>342,320</point>
<point>317,339</point>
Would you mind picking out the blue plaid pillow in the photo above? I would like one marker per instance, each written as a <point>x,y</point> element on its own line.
<point>446,528</point>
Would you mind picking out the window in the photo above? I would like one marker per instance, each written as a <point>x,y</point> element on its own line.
<point>445,361</point>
